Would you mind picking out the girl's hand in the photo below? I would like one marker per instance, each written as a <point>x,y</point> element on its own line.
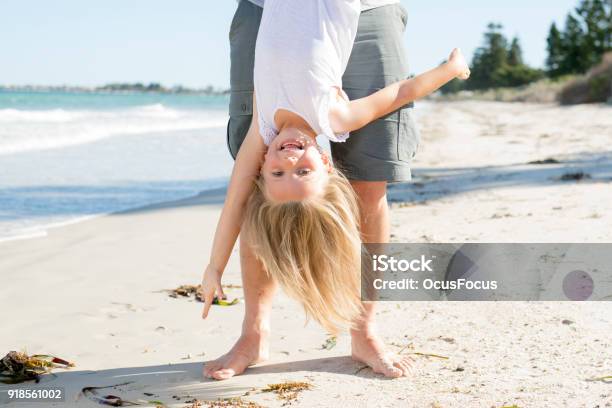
<point>211,286</point>
<point>457,61</point>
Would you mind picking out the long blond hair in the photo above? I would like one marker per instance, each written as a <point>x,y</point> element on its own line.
<point>312,248</point>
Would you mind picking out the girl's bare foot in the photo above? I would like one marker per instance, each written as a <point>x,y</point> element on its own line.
<point>458,62</point>
<point>369,349</point>
<point>251,348</point>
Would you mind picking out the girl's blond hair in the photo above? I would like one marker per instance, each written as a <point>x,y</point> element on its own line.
<point>312,248</point>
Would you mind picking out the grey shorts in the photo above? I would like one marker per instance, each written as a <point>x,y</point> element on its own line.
<point>382,150</point>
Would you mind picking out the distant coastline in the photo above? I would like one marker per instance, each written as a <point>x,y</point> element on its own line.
<point>118,87</point>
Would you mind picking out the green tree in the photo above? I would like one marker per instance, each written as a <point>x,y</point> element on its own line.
<point>516,75</point>
<point>575,55</point>
<point>515,53</point>
<point>499,64</point>
<point>596,20</point>
<point>154,87</point>
<point>453,86</point>
<point>584,40</point>
<point>555,52</point>
<point>496,64</point>
<point>488,58</point>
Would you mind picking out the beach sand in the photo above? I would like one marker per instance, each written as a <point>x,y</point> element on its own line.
<point>90,292</point>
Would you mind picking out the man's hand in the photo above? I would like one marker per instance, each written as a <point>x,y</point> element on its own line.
<point>211,286</point>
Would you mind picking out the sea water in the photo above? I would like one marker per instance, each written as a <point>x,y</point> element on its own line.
<point>69,156</point>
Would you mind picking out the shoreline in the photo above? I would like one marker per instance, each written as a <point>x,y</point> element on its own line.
<point>43,230</point>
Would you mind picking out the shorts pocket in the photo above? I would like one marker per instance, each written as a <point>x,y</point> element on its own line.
<point>241,103</point>
<point>403,15</point>
<point>240,116</point>
<point>408,135</point>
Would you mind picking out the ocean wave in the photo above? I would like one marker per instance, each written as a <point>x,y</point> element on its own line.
<point>46,116</point>
<point>26,130</point>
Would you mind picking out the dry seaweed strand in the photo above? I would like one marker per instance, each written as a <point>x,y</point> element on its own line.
<point>111,400</point>
<point>17,367</point>
<point>185,290</point>
<point>235,402</point>
<point>115,401</point>
<point>606,379</point>
<point>416,353</point>
<point>288,391</point>
<point>330,343</point>
<point>430,355</point>
<point>196,291</point>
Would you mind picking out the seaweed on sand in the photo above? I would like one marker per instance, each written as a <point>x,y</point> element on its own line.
<point>288,391</point>
<point>17,367</point>
<point>430,355</point>
<point>235,402</point>
<point>417,353</point>
<point>549,160</point>
<point>196,291</point>
<point>606,379</point>
<point>110,400</point>
<point>185,291</point>
<point>575,176</point>
<point>115,401</point>
<point>330,343</point>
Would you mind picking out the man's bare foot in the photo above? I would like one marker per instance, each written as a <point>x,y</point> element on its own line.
<point>251,348</point>
<point>367,348</point>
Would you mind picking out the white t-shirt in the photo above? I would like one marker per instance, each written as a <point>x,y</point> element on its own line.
<point>365,4</point>
<point>302,51</point>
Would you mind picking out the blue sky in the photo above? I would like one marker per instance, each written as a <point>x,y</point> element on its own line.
<point>185,41</point>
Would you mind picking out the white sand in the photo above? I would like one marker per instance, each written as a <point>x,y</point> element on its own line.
<point>88,292</point>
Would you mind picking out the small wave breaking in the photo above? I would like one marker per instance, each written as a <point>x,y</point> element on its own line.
<point>27,130</point>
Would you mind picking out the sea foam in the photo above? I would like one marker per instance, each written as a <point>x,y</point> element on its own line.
<point>27,130</point>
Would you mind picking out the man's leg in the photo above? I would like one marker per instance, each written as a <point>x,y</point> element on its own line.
<point>379,153</point>
<point>366,345</point>
<point>252,346</point>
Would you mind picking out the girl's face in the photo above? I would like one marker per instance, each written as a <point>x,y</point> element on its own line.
<point>294,167</point>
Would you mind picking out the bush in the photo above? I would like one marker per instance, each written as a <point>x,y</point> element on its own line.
<point>516,75</point>
<point>453,86</point>
<point>595,86</point>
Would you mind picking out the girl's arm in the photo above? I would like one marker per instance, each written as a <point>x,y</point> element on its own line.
<point>358,113</point>
<point>245,171</point>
